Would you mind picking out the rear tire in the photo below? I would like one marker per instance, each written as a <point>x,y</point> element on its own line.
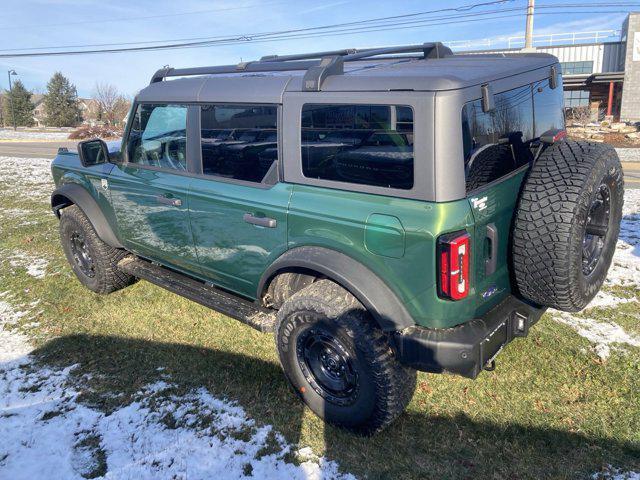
<point>339,362</point>
<point>94,262</point>
<point>567,224</point>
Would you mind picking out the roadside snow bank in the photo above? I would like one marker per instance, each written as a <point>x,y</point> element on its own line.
<point>26,135</point>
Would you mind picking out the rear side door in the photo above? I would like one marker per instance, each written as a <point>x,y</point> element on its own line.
<point>237,205</point>
<point>149,188</point>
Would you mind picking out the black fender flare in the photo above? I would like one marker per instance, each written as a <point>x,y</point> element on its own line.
<point>385,307</point>
<point>73,193</point>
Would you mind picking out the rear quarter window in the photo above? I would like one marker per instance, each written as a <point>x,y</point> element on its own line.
<point>358,144</point>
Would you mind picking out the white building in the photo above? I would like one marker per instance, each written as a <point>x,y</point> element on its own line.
<point>601,70</point>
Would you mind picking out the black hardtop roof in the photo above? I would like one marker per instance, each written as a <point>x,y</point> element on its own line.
<point>266,80</point>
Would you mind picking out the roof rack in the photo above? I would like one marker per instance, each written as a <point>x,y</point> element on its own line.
<point>318,65</point>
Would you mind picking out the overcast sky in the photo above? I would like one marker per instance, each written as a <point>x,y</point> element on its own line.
<point>54,23</point>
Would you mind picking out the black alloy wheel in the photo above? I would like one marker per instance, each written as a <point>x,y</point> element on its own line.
<point>81,254</point>
<point>328,366</point>
<point>596,229</point>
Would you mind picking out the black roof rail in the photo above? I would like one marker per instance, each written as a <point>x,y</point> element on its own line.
<point>307,56</point>
<point>318,65</point>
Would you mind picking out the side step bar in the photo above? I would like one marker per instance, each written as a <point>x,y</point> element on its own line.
<point>209,296</point>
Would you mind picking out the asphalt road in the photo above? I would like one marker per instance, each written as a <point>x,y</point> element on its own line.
<point>48,150</point>
<point>36,149</point>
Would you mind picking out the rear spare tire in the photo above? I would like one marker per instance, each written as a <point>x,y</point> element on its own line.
<point>567,224</point>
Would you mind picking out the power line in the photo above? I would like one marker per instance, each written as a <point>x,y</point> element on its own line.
<point>145,17</point>
<point>382,21</point>
<point>315,32</point>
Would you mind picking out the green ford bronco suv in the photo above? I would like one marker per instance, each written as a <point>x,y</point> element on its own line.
<point>381,211</point>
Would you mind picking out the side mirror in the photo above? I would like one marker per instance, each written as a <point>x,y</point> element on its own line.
<point>93,152</point>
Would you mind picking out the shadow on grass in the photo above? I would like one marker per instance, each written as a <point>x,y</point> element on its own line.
<point>415,446</point>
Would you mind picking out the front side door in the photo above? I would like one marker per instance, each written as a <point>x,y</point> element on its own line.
<point>237,206</point>
<point>149,189</point>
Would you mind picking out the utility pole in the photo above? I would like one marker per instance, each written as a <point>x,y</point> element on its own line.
<point>528,36</point>
<point>13,114</point>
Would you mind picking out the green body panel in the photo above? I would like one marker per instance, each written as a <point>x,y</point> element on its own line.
<point>233,253</point>
<point>207,236</point>
<point>67,169</point>
<point>494,206</point>
<point>320,217</point>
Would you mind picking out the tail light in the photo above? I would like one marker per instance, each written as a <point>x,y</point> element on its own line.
<point>453,265</point>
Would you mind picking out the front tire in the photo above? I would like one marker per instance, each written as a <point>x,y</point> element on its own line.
<point>94,262</point>
<point>339,362</point>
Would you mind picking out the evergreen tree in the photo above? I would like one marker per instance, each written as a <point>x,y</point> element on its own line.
<point>20,97</point>
<point>61,102</point>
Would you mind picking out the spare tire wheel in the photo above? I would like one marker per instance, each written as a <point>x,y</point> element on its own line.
<point>567,224</point>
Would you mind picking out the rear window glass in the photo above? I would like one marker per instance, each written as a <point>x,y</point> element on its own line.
<point>548,107</point>
<point>358,144</point>
<point>498,142</point>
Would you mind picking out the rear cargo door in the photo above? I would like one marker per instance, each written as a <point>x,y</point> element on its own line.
<point>493,211</point>
<point>497,157</point>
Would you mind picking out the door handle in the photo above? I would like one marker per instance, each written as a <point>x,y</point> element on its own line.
<point>260,221</point>
<point>491,262</point>
<point>174,202</point>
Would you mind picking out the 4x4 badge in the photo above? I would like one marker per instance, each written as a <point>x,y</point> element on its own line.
<point>104,183</point>
<point>479,203</point>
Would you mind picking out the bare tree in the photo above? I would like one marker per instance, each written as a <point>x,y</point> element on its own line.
<point>112,106</point>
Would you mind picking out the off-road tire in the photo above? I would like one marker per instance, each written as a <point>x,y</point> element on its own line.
<point>550,224</point>
<point>385,386</point>
<point>106,277</point>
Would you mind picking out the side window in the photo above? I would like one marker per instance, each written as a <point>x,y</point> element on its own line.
<point>497,142</point>
<point>548,107</point>
<point>239,141</point>
<point>361,144</point>
<point>158,136</point>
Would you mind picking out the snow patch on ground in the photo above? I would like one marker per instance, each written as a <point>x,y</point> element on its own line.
<point>35,266</point>
<point>624,271</point>
<point>13,344</point>
<point>615,474</point>
<point>48,434</point>
<point>628,154</point>
<point>625,268</point>
<point>27,177</point>
<point>10,134</point>
<point>604,335</point>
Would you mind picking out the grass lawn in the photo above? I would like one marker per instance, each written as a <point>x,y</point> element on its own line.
<point>555,407</point>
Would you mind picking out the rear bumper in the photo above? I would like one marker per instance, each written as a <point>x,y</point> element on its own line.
<point>466,349</point>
